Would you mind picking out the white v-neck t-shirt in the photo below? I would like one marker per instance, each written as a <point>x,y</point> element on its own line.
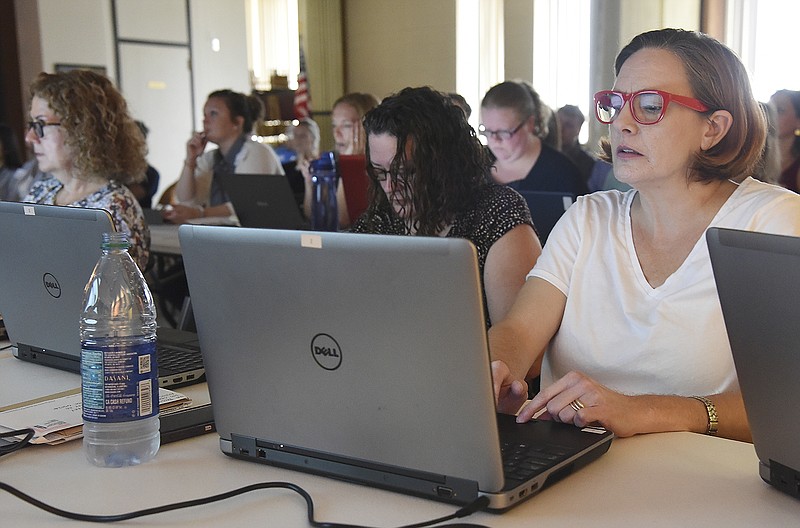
<point>622,332</point>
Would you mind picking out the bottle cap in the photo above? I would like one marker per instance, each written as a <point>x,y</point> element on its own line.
<point>115,241</point>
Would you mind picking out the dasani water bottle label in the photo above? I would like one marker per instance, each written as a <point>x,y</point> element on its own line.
<point>119,382</point>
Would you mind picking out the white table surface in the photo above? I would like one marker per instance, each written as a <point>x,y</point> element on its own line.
<point>669,480</point>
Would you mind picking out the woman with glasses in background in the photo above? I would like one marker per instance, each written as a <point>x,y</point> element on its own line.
<point>623,297</point>
<point>86,141</point>
<point>514,123</point>
<point>428,174</point>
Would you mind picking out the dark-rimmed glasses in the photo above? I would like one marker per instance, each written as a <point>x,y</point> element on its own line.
<point>38,127</point>
<point>501,135</point>
<point>647,106</point>
<point>381,175</point>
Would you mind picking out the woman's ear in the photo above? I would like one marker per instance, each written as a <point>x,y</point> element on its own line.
<point>718,125</point>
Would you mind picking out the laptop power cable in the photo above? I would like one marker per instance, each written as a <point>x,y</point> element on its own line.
<point>477,504</point>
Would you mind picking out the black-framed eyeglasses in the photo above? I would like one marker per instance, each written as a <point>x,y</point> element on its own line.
<point>647,106</point>
<point>38,127</point>
<point>381,175</point>
<point>501,135</point>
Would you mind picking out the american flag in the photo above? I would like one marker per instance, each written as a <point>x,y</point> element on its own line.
<point>302,97</point>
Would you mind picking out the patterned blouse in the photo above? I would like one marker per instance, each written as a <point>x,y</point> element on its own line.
<point>497,210</point>
<point>114,198</point>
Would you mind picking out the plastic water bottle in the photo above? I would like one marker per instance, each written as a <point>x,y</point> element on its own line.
<point>325,180</point>
<point>119,374</point>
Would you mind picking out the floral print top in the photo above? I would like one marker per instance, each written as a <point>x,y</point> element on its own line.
<point>114,198</point>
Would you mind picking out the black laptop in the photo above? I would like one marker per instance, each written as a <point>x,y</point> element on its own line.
<point>758,281</point>
<point>47,254</point>
<point>263,200</point>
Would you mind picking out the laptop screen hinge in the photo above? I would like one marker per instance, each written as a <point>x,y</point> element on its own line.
<point>406,480</point>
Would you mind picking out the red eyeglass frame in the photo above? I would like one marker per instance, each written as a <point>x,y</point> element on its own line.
<point>688,102</point>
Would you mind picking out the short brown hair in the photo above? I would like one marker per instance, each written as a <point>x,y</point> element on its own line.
<point>104,139</point>
<point>718,79</point>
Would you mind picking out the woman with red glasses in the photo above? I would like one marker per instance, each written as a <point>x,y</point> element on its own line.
<point>623,297</point>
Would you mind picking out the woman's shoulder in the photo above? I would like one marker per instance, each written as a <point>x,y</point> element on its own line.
<point>378,221</point>
<point>258,157</point>
<point>762,206</point>
<point>753,189</point>
<point>612,200</point>
<point>496,196</point>
<point>112,195</point>
<point>498,204</point>
<point>755,195</point>
<point>43,190</point>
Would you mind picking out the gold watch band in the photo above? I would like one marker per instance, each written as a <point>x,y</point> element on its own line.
<point>713,422</point>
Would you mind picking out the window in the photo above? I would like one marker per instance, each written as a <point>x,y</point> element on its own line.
<point>273,41</point>
<point>761,32</point>
<point>561,54</point>
<point>479,50</point>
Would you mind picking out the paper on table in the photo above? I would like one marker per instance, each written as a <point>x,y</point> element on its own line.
<point>59,420</point>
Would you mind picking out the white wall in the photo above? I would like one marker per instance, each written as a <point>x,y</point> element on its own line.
<point>81,32</point>
<point>227,68</point>
<point>76,32</point>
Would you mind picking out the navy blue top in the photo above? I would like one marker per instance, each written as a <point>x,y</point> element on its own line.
<point>552,172</point>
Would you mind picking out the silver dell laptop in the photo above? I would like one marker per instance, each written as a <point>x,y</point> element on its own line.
<point>365,358</point>
<point>47,254</point>
<point>758,281</point>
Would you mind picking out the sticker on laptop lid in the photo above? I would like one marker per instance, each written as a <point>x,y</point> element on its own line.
<point>311,241</point>
<point>29,210</point>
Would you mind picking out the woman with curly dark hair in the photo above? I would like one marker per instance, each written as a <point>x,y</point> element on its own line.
<point>83,136</point>
<point>429,177</point>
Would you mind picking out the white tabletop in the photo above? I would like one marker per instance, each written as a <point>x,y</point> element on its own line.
<point>669,480</point>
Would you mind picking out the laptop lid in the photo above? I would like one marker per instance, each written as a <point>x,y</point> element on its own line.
<point>362,357</point>
<point>48,254</point>
<point>263,200</point>
<point>546,208</point>
<point>353,171</point>
<point>758,281</point>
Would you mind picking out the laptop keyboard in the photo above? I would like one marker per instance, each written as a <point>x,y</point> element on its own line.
<point>522,461</point>
<point>172,358</point>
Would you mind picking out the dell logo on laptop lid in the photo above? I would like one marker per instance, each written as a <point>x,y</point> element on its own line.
<point>51,285</point>
<point>326,352</point>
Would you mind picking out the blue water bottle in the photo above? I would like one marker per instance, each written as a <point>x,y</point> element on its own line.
<point>324,181</point>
